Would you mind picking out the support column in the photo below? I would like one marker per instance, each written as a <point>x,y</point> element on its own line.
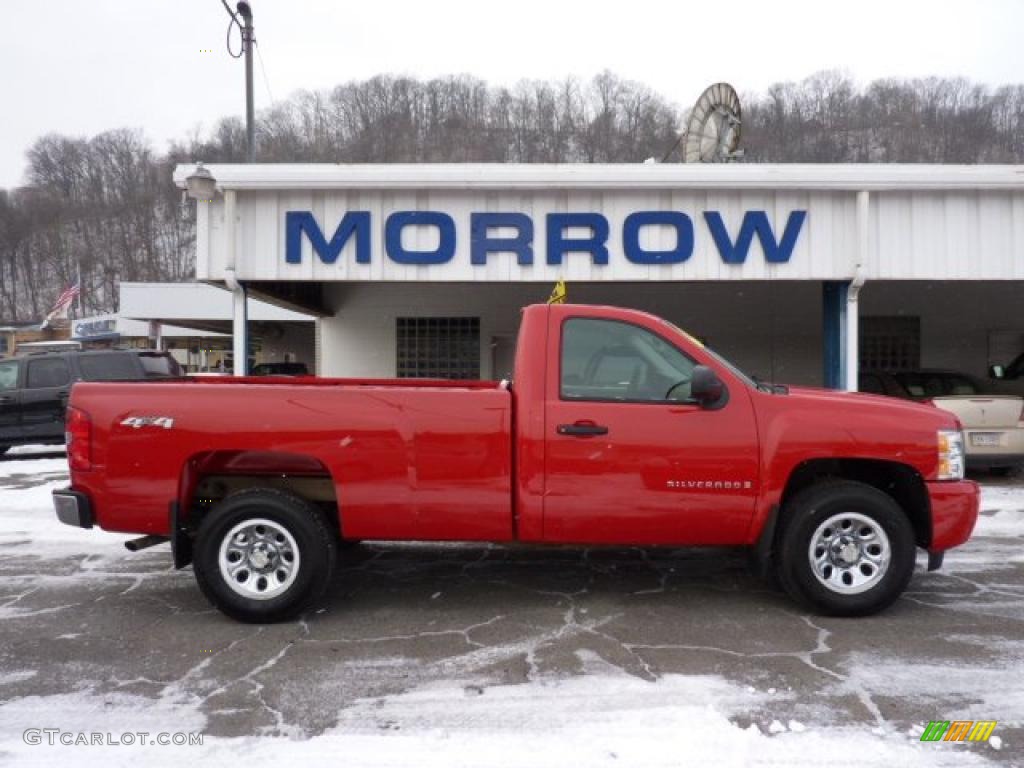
<point>239,325</point>
<point>834,322</point>
<point>239,331</point>
<point>853,293</point>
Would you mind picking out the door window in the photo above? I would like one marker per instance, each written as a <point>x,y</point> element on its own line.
<point>8,375</point>
<point>52,372</point>
<point>612,360</point>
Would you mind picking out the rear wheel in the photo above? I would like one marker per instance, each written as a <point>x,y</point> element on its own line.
<point>263,555</point>
<point>846,549</point>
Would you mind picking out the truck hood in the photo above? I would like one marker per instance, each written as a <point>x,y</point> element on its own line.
<point>853,405</point>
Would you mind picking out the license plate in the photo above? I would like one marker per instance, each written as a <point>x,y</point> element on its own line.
<point>983,439</point>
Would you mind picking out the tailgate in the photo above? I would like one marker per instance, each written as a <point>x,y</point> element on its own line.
<point>976,411</point>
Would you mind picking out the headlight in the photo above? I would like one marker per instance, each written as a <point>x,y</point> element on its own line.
<point>951,454</point>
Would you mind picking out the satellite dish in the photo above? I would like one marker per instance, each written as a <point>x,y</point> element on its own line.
<point>713,128</point>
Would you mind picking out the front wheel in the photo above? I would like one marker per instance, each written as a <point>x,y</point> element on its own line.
<point>846,549</point>
<point>262,555</point>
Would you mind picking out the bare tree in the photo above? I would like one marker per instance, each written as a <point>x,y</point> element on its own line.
<point>106,206</point>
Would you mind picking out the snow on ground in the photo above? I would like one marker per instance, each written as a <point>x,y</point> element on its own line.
<point>603,717</point>
<point>28,450</point>
<point>1007,503</point>
<point>28,524</point>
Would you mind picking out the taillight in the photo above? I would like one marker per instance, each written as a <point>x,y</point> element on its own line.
<point>78,436</point>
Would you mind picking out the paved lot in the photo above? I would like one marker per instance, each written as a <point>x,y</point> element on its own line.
<point>610,654</point>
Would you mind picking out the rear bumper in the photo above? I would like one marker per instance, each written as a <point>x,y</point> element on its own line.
<point>73,508</point>
<point>990,460</point>
<point>954,512</point>
<point>1008,451</point>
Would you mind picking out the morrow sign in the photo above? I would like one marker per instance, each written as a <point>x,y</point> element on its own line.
<point>513,233</point>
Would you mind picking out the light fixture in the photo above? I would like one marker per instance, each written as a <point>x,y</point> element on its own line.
<point>200,184</point>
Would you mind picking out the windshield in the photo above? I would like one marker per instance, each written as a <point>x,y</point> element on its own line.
<point>922,385</point>
<point>1015,370</point>
<point>748,380</point>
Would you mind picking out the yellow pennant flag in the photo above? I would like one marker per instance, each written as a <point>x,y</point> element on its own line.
<point>558,294</point>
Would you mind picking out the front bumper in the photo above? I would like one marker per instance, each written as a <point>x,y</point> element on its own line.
<point>954,512</point>
<point>73,508</point>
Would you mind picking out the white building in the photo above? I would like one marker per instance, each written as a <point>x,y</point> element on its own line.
<point>795,272</point>
<point>193,322</point>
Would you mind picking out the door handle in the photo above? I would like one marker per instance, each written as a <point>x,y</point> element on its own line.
<point>582,429</point>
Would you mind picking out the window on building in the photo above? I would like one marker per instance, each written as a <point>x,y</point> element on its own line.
<point>51,372</point>
<point>3,344</point>
<point>890,343</point>
<point>439,347</point>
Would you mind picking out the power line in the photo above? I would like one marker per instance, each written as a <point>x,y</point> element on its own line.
<point>263,69</point>
<point>234,22</point>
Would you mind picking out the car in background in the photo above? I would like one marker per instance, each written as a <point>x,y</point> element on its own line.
<point>34,388</point>
<point>280,369</point>
<point>993,423</point>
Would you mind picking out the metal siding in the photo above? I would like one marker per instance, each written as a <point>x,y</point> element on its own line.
<point>915,234</point>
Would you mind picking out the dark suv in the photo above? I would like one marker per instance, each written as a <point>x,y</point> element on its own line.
<point>34,389</point>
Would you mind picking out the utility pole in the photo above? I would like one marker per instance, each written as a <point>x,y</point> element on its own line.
<point>239,324</point>
<point>245,11</point>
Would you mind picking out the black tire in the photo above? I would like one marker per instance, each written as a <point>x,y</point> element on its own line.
<point>811,509</point>
<point>314,541</point>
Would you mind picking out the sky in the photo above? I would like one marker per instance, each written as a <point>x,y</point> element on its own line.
<point>80,67</point>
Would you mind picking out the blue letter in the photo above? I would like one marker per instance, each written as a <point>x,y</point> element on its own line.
<point>594,245</point>
<point>755,222</point>
<point>297,222</point>
<point>393,237</point>
<point>521,245</point>
<point>631,237</point>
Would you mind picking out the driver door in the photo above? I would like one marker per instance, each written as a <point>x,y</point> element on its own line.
<point>629,457</point>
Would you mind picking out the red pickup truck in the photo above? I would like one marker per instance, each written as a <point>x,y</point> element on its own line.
<point>618,428</point>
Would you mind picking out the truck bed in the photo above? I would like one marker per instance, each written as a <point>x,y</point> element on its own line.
<point>407,459</point>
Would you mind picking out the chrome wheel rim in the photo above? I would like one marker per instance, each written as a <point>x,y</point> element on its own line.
<point>849,553</point>
<point>259,559</point>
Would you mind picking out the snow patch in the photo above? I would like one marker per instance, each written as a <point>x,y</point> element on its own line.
<point>29,525</point>
<point>6,678</point>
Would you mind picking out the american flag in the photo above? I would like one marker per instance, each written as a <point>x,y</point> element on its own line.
<point>65,299</point>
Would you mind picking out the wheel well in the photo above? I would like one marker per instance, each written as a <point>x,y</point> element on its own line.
<point>903,483</point>
<point>212,476</point>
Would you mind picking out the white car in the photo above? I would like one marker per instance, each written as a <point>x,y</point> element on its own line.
<point>993,423</point>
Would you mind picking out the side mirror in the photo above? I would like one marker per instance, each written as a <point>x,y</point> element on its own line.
<point>707,389</point>
<point>996,372</point>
